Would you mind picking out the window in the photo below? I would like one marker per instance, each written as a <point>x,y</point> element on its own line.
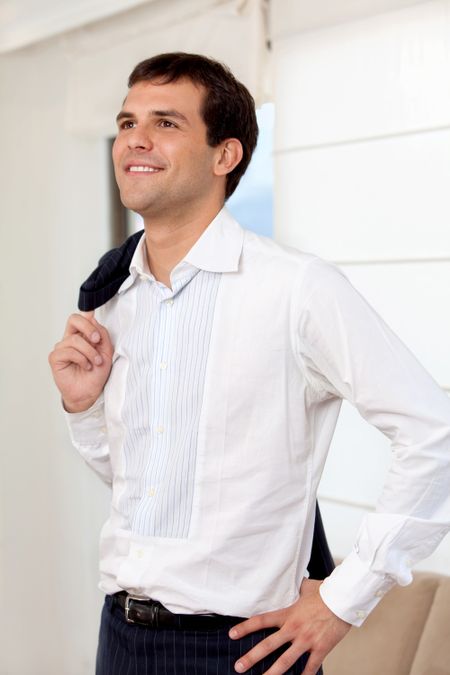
<point>252,203</point>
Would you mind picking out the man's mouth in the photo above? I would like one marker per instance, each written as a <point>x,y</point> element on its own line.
<point>139,168</point>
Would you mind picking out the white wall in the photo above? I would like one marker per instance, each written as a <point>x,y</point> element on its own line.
<point>53,226</point>
<point>361,178</point>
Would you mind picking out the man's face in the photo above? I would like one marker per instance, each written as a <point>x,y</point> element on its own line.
<point>162,161</point>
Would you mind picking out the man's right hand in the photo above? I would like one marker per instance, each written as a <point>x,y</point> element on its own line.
<point>81,362</point>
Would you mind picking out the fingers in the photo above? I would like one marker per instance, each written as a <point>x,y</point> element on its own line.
<point>313,664</point>
<point>260,651</point>
<point>308,625</point>
<point>285,660</point>
<point>258,622</point>
<point>86,343</point>
<point>81,362</point>
<point>76,349</point>
<point>94,335</point>
<point>105,344</point>
<point>68,355</point>
<point>85,325</point>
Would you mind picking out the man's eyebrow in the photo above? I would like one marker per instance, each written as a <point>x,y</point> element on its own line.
<point>154,113</point>
<point>169,113</point>
<point>124,115</point>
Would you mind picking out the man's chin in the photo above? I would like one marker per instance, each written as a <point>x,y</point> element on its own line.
<point>148,212</point>
<point>137,205</point>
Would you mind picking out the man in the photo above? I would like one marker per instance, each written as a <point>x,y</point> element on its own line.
<point>206,391</point>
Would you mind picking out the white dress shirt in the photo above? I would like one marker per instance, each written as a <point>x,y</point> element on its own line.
<point>285,338</point>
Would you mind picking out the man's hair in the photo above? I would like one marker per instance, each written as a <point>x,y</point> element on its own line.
<point>228,109</point>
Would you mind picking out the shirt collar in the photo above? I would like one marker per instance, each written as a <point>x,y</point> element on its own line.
<point>218,249</point>
<point>220,246</point>
<point>138,265</point>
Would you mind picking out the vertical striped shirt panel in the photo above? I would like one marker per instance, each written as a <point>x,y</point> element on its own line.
<point>167,347</point>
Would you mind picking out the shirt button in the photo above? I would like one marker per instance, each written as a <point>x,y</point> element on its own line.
<point>151,492</point>
<point>97,414</point>
<point>169,302</point>
<point>143,277</point>
<point>160,430</point>
<point>379,594</point>
<point>103,430</point>
<point>360,614</point>
<point>139,553</point>
<point>163,365</point>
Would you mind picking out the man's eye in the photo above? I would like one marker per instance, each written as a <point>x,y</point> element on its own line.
<point>167,124</point>
<point>128,124</point>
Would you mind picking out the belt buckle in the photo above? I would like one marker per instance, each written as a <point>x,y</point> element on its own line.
<point>153,621</point>
<point>127,607</point>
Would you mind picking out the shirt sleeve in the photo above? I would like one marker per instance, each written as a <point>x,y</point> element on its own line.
<point>348,351</point>
<point>88,434</point>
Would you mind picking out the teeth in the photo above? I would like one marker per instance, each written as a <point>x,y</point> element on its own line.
<point>148,169</point>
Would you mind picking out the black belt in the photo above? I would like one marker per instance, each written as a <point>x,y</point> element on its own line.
<point>154,615</point>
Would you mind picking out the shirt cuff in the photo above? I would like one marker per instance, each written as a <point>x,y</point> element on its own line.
<point>352,590</point>
<point>88,428</point>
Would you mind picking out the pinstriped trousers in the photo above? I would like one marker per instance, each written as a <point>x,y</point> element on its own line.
<point>127,649</point>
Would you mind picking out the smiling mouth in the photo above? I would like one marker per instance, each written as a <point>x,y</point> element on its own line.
<point>143,169</point>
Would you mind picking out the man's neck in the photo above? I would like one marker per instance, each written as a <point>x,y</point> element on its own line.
<point>168,243</point>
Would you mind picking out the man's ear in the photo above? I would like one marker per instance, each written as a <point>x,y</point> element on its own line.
<point>229,154</point>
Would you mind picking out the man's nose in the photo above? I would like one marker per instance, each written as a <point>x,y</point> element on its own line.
<point>140,138</point>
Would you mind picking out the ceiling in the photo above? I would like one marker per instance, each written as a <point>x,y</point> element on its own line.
<point>24,22</point>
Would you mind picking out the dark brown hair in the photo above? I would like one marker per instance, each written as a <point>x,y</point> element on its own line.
<point>228,108</point>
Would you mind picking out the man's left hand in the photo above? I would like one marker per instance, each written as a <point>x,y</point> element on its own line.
<point>309,625</point>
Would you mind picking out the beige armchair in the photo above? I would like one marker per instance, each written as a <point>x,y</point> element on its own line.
<point>408,633</point>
